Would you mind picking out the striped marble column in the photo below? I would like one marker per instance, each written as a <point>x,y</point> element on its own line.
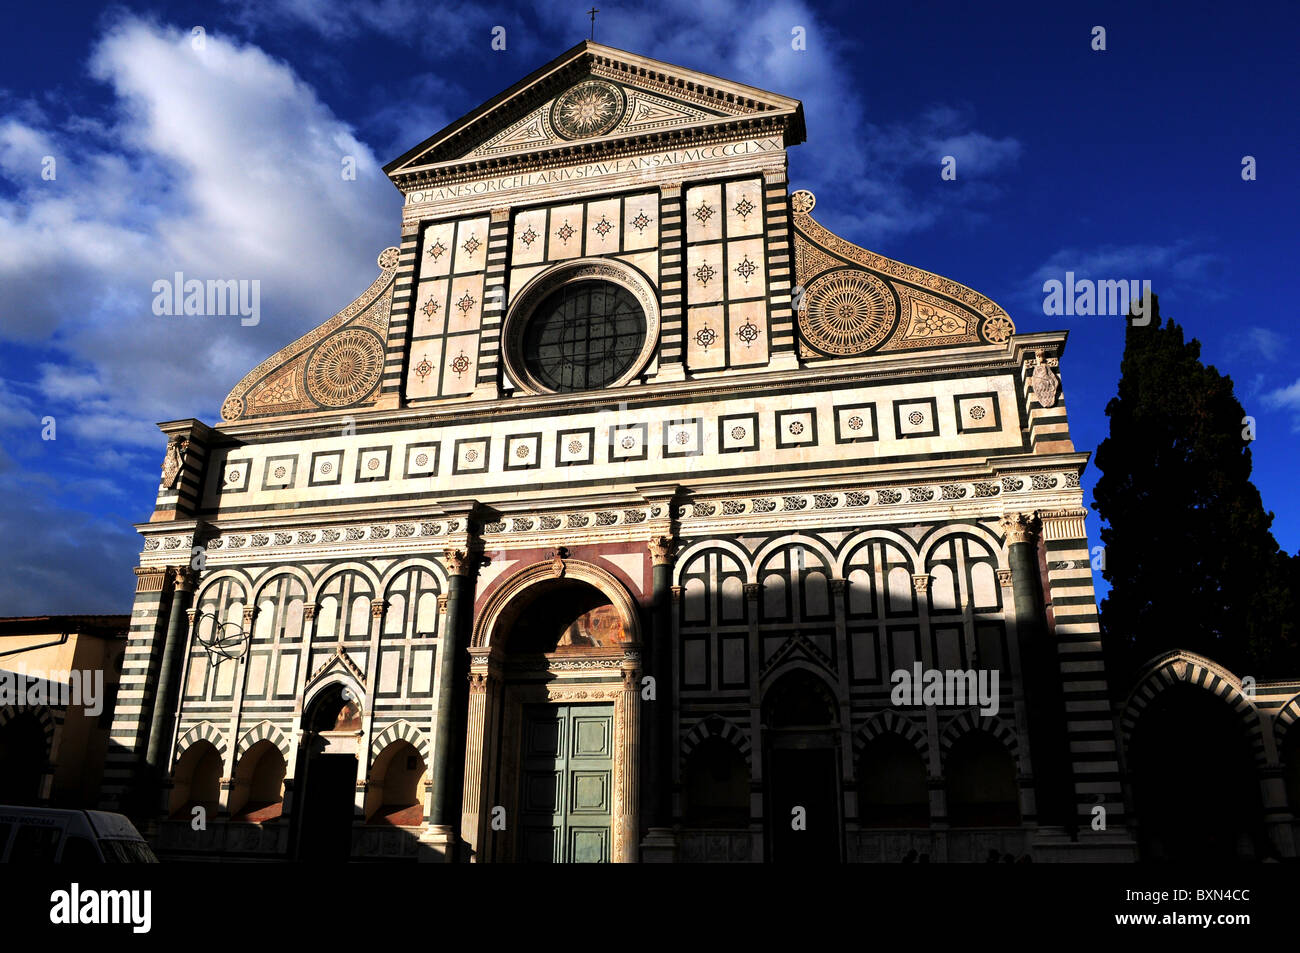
<point>488,383</point>
<point>1072,611</point>
<point>129,734</point>
<point>399,322</point>
<point>672,266</point>
<point>780,275</point>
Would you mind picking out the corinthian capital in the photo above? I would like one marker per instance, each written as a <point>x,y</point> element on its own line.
<point>463,562</point>
<point>663,549</point>
<point>1020,527</point>
<point>183,578</point>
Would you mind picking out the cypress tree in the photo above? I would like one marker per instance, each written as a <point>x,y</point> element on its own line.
<point>1189,553</point>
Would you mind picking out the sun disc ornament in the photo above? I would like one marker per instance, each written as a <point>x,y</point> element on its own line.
<point>345,367</point>
<point>802,201</point>
<point>589,109</point>
<point>388,258</point>
<point>847,312</point>
<point>998,329</point>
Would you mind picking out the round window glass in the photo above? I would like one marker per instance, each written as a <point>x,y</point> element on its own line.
<point>583,336</point>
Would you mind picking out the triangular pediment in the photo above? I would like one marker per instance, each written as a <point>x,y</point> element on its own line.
<point>339,663</point>
<point>595,94</point>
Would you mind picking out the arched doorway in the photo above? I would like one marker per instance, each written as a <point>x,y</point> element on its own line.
<point>715,783</point>
<point>982,788</point>
<point>23,754</point>
<point>892,785</point>
<point>554,700</point>
<point>1195,786</point>
<point>566,756</point>
<point>328,776</point>
<point>802,770</point>
<point>258,795</point>
<point>394,795</point>
<point>196,783</point>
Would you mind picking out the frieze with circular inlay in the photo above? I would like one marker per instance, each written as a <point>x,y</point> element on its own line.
<point>847,312</point>
<point>345,367</point>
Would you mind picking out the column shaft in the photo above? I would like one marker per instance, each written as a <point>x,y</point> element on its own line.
<point>660,721</point>
<point>169,672</point>
<point>442,807</point>
<point>1040,678</point>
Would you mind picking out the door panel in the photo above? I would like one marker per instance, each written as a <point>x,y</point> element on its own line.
<point>804,778</point>
<point>328,808</point>
<point>566,767</point>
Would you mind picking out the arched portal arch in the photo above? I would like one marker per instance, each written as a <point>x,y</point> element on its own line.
<point>554,707</point>
<point>1188,668</point>
<point>802,767</point>
<point>329,763</point>
<point>506,601</point>
<point>1196,785</point>
<point>26,739</point>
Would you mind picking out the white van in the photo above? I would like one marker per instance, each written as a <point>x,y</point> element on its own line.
<point>41,835</point>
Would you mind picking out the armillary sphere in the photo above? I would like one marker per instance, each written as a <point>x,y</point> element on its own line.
<point>226,642</point>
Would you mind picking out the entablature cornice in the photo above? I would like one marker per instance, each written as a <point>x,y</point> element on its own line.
<point>988,359</point>
<point>456,171</point>
<point>1049,485</point>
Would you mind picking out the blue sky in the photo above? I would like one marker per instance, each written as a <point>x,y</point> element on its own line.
<point>224,162</point>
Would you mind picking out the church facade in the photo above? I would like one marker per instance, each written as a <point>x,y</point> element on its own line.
<point>629,514</point>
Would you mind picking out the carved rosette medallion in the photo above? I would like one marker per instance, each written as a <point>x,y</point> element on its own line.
<point>802,201</point>
<point>589,109</point>
<point>847,312</point>
<point>345,367</point>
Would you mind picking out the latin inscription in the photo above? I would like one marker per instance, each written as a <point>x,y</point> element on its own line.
<point>595,170</point>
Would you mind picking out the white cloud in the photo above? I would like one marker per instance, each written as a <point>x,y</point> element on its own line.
<point>1178,262</point>
<point>1287,399</point>
<point>436,27</point>
<point>16,408</point>
<point>855,162</point>
<point>222,163</point>
<point>1255,343</point>
<point>869,174</point>
<point>218,163</point>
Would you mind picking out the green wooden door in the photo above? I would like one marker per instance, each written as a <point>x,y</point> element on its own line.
<point>566,783</point>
